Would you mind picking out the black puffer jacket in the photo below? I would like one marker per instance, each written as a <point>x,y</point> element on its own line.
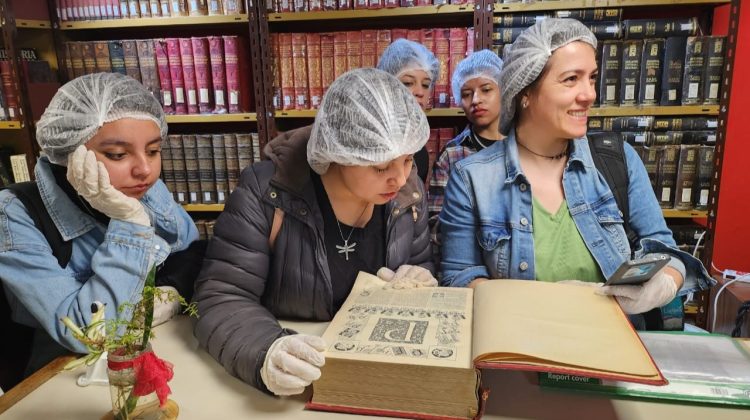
<point>245,286</point>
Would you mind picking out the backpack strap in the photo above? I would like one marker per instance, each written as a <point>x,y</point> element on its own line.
<point>608,152</point>
<point>28,193</point>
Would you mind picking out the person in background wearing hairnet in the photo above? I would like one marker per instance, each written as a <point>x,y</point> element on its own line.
<point>476,88</point>
<point>99,181</point>
<point>334,198</point>
<point>534,206</point>
<point>418,69</point>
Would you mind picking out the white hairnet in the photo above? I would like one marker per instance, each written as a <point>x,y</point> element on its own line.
<point>81,106</point>
<point>404,55</point>
<point>367,117</point>
<point>526,57</point>
<point>485,64</point>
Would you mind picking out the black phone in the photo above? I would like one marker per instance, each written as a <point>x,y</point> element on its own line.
<point>638,271</point>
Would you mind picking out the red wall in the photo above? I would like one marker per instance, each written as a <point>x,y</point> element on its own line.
<point>731,248</point>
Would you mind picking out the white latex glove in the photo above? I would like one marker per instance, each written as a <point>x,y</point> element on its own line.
<point>165,309</point>
<point>90,179</point>
<point>407,277</point>
<point>637,299</point>
<point>292,363</point>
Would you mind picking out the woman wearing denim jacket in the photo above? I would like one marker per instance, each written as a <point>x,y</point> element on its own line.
<point>99,181</point>
<point>535,206</point>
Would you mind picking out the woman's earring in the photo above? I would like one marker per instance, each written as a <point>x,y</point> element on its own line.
<point>525,103</point>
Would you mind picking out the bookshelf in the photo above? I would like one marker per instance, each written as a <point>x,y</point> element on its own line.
<point>310,113</point>
<point>11,125</point>
<point>154,22</point>
<point>627,111</point>
<point>598,4</point>
<point>212,118</point>
<point>421,11</point>
<point>33,24</point>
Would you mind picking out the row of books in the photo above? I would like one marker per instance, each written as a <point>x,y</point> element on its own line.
<point>671,71</point>
<point>205,228</point>
<point>9,106</point>
<point>283,6</point>
<point>188,75</point>
<point>205,168</point>
<point>305,64</point>
<point>42,84</point>
<point>604,30</point>
<point>652,123</point>
<point>511,20</point>
<point>680,175</point>
<point>76,10</point>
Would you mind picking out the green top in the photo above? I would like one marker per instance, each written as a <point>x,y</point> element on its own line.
<point>559,249</point>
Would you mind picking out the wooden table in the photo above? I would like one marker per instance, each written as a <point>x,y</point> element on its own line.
<point>204,390</point>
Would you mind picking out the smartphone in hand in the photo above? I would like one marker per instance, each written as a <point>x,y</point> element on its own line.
<point>638,271</point>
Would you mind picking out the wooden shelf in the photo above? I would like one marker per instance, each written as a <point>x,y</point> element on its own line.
<point>33,24</point>
<point>683,214</point>
<point>10,125</point>
<point>203,207</point>
<point>177,119</point>
<point>590,4</point>
<point>158,21</point>
<point>310,113</point>
<point>445,9</point>
<point>626,111</point>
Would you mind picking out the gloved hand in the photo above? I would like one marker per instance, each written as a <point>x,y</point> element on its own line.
<point>293,362</point>
<point>166,307</point>
<point>637,299</point>
<point>91,180</point>
<point>407,277</point>
<point>581,283</point>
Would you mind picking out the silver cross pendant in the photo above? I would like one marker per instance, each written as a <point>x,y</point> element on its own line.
<point>346,248</point>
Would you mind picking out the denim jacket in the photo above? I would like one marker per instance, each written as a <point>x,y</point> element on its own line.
<point>108,263</point>
<point>486,221</point>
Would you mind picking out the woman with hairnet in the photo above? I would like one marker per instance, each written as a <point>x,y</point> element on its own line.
<point>99,181</point>
<point>418,69</point>
<point>534,206</point>
<point>333,199</point>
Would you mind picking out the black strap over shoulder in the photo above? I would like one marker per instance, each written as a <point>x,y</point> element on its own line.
<point>28,193</point>
<point>608,152</point>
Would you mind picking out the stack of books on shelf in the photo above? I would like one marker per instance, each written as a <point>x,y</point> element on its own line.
<point>206,75</point>
<point>439,137</point>
<point>205,168</point>
<point>677,152</point>
<point>305,64</point>
<point>281,6</point>
<point>75,10</point>
<point>205,228</point>
<point>42,84</point>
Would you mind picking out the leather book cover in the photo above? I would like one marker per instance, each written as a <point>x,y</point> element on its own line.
<point>89,57</point>
<point>203,80</point>
<point>630,73</point>
<point>174,60</point>
<point>287,71</point>
<point>458,53</point>
<point>686,176</point>
<point>673,70</point>
<point>233,165</point>
<point>649,91</point>
<point>237,66</point>
<point>130,52</point>
<point>441,92</point>
<point>204,151</point>
<point>339,54</point>
<point>327,67</point>
<point>101,54</point>
<point>218,152</point>
<point>188,75</point>
<point>178,166</point>
<point>369,48</point>
<point>117,56</point>
<point>713,70</point>
<point>353,50</point>
<point>218,74</point>
<point>299,62</point>
<point>165,79</point>
<point>314,68</point>
<point>147,62</point>
<point>692,80</point>
<point>610,69</point>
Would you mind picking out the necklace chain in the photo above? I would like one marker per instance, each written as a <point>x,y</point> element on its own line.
<point>553,157</point>
<point>346,248</point>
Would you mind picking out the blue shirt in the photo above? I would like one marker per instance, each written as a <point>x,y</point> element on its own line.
<point>486,221</point>
<point>108,263</point>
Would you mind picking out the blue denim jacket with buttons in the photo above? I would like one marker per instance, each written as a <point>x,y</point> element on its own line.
<point>487,226</point>
<point>108,263</point>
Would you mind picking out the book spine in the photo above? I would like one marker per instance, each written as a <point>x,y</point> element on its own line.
<point>3,106</point>
<point>457,53</point>
<point>506,35</point>
<point>300,5</point>
<point>237,69</point>
<point>76,59</point>
<point>9,91</point>
<point>178,165</point>
<point>20,168</point>
<point>598,82</point>
<point>344,4</point>
<point>133,9</point>
<point>165,80</point>
<point>605,30</point>
<point>117,56</point>
<point>595,124</point>
<point>630,75</point>
<point>287,71</point>
<point>299,62</point>
<point>188,75</point>
<point>591,15</point>
<point>147,62</point>
<point>218,74</point>
<point>666,177</point>
<point>637,138</point>
<point>155,8</point>
<point>686,172</point>
<point>649,92</point>
<point>327,66</point>
<point>89,57</point>
<point>414,35</point>
<point>244,150</point>
<point>167,168</point>
<point>255,140</point>
<point>190,149</point>
<point>178,8</point>
<point>214,8</point>
<point>627,123</point>
<point>610,69</point>
<point>339,53</point>
<point>276,71</point>
<point>124,9</point>
<point>233,165</point>
<point>130,52</point>
<point>329,5</point>
<point>353,50</point>
<point>659,28</point>
<point>175,74</point>
<point>384,40</point>
<point>202,74</point>
<point>232,7</point>
<point>667,138</point>
<point>695,58</point>
<point>713,70</point>
<point>510,20</point>
<point>705,171</point>
<point>144,7</point>
<point>197,7</point>
<point>398,33</point>
<point>315,5</point>
<point>673,62</point>
<point>369,48</point>
<point>220,167</point>
<point>206,168</point>
<point>164,8</point>
<point>650,158</point>
<point>68,62</point>
<point>441,92</point>
<point>314,68</point>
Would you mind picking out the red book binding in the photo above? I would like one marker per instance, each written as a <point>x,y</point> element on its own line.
<point>314,69</point>
<point>237,67</point>
<point>175,73</point>
<point>165,80</point>
<point>188,74</point>
<point>369,48</point>
<point>203,79</point>
<point>218,73</point>
<point>299,62</point>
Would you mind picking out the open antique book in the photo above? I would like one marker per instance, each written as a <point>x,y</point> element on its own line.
<point>415,352</point>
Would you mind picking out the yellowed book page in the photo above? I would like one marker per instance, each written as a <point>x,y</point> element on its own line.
<point>557,324</point>
<point>425,326</point>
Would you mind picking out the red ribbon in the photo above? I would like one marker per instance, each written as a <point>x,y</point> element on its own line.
<point>151,375</point>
